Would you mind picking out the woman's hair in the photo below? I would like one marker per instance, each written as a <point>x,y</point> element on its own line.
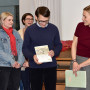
<point>87,8</point>
<point>4,15</point>
<point>44,11</point>
<point>25,15</point>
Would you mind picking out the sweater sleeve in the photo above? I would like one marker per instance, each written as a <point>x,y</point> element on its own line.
<point>26,45</point>
<point>57,44</point>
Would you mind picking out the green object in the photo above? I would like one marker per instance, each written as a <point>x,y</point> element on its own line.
<point>78,81</point>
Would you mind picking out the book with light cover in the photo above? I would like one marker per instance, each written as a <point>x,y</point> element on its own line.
<point>72,81</point>
<point>42,54</point>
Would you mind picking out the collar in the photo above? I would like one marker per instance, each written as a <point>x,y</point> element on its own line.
<point>39,24</point>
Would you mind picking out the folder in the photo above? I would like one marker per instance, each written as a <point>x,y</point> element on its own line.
<point>78,81</point>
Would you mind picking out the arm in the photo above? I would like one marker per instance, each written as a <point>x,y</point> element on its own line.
<point>74,47</point>
<point>21,58</point>
<point>57,44</point>
<point>73,53</point>
<point>85,63</point>
<point>26,45</point>
<point>5,56</point>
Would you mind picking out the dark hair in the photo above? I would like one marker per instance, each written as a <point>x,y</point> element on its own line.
<point>24,17</point>
<point>44,11</point>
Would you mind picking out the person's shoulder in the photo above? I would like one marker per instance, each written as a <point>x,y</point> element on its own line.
<point>31,28</point>
<point>20,31</point>
<point>15,31</point>
<point>1,29</point>
<point>53,27</point>
<point>80,24</point>
<point>80,27</point>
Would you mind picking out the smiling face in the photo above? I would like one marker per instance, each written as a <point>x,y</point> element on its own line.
<point>28,20</point>
<point>86,18</point>
<point>8,22</point>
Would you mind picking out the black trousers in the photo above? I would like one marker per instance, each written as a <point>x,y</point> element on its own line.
<point>9,78</point>
<point>46,75</point>
<point>25,77</point>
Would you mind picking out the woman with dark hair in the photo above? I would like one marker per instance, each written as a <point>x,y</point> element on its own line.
<point>27,20</point>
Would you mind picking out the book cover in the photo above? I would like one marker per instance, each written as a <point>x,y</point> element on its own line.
<point>72,81</point>
<point>42,54</point>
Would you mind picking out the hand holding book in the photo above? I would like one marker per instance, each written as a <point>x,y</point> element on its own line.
<point>36,59</point>
<point>76,67</point>
<point>72,81</point>
<point>51,53</point>
<point>43,54</point>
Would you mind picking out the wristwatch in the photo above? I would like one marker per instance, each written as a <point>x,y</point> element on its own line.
<point>74,60</point>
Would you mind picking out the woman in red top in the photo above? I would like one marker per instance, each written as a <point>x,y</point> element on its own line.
<point>81,48</point>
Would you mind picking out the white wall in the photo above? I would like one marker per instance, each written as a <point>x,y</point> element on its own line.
<point>25,6</point>
<point>70,14</point>
<point>53,5</point>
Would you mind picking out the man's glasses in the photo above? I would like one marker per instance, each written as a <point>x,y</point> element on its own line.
<point>29,19</point>
<point>40,21</point>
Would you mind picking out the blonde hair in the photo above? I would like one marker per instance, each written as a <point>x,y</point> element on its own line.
<point>87,8</point>
<point>4,15</point>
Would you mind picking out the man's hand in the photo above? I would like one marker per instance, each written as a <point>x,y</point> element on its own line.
<point>51,53</point>
<point>36,59</point>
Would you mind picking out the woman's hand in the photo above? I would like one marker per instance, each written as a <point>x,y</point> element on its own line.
<point>76,67</point>
<point>16,65</point>
<point>26,64</point>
